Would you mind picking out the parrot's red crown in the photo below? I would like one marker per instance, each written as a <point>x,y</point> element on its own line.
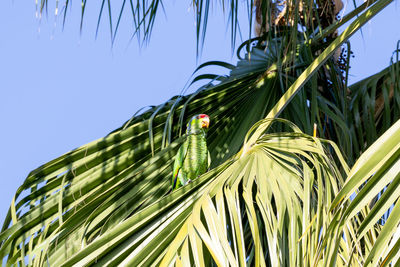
<point>201,116</point>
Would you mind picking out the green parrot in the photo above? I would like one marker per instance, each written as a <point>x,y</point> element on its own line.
<point>193,157</point>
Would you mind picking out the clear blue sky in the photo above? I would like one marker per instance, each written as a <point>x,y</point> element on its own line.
<point>60,90</point>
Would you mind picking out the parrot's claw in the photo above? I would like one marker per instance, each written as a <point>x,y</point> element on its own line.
<point>189,181</point>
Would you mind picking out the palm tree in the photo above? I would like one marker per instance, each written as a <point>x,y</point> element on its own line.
<point>276,194</point>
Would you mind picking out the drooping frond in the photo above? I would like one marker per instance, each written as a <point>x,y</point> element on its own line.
<point>263,17</point>
<point>373,107</point>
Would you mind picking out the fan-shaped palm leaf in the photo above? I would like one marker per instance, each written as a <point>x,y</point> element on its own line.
<point>243,212</point>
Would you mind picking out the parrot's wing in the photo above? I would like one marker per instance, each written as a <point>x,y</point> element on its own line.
<point>180,157</point>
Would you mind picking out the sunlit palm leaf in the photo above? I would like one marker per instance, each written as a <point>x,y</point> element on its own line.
<point>251,214</point>
<point>376,170</point>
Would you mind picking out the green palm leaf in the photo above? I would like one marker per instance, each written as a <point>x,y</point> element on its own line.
<point>376,170</point>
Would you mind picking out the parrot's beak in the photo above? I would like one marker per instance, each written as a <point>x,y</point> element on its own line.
<point>205,122</point>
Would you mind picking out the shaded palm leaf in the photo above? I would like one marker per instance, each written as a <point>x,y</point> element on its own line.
<point>373,107</point>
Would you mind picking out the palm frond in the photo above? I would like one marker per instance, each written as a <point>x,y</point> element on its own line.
<point>373,107</point>
<point>376,171</point>
<point>270,16</point>
<point>246,211</point>
<point>312,68</point>
<point>251,214</point>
